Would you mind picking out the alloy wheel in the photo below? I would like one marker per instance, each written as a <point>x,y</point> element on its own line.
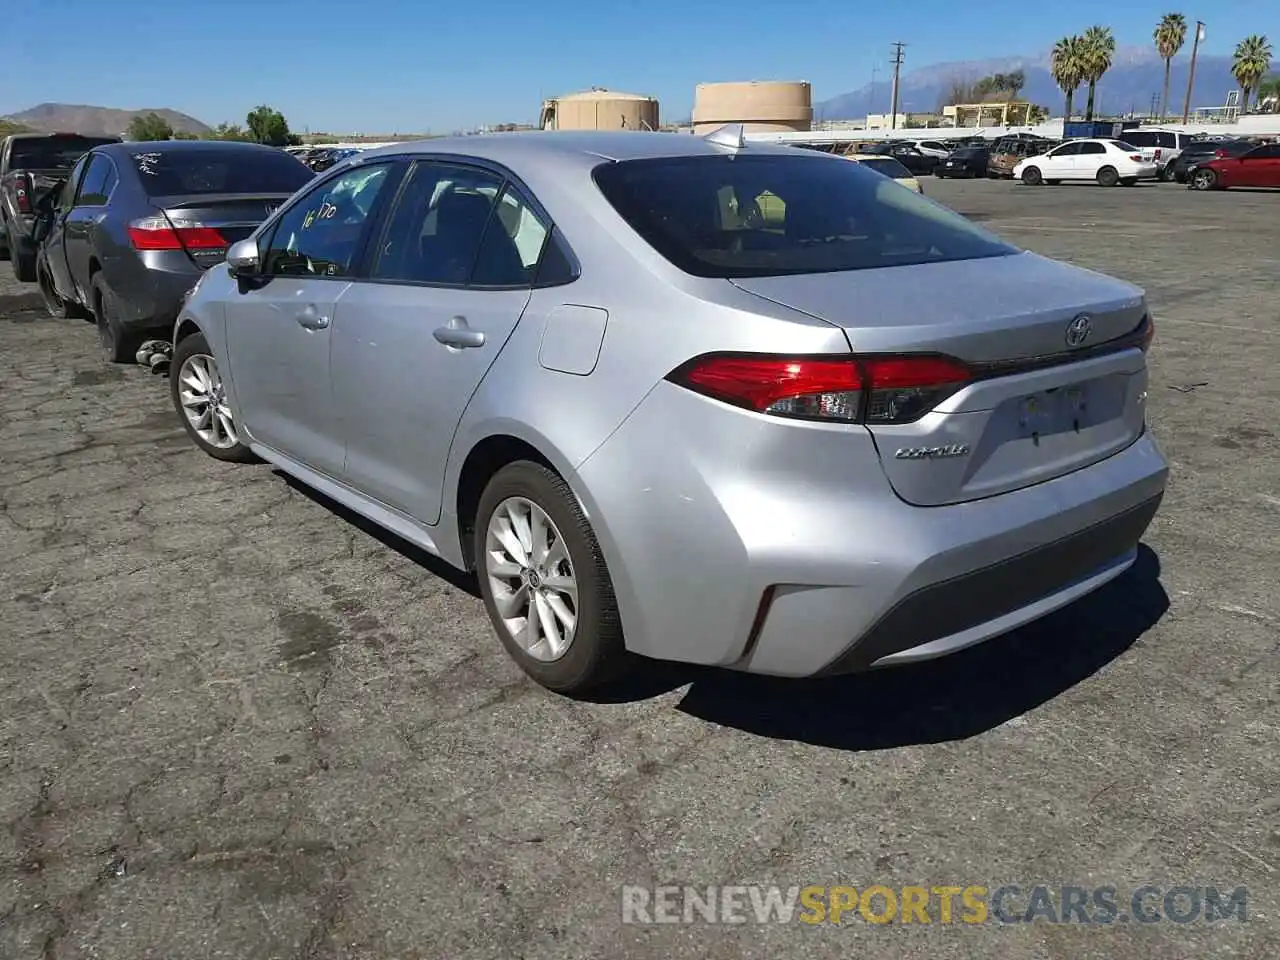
<point>1203,179</point>
<point>531,578</point>
<point>204,402</point>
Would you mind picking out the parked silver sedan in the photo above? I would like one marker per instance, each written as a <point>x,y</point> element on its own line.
<point>688,398</point>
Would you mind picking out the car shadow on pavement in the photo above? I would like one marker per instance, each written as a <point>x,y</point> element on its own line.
<point>465,582</point>
<point>950,698</point>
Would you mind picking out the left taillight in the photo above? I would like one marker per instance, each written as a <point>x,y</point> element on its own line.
<point>848,389</point>
<point>160,233</point>
<point>22,195</point>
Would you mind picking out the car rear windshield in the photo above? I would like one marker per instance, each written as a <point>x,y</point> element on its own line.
<point>886,166</point>
<point>963,153</point>
<point>184,172</point>
<point>52,153</point>
<point>755,216</point>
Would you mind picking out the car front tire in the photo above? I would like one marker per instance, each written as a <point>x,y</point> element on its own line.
<point>1032,177</point>
<point>196,389</point>
<point>544,581</point>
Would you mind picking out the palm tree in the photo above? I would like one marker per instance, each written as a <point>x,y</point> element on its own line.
<point>1170,35</point>
<point>1099,50</point>
<point>1015,82</point>
<point>1067,65</point>
<point>1249,65</point>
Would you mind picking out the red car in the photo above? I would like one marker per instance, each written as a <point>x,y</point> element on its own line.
<point>1260,167</point>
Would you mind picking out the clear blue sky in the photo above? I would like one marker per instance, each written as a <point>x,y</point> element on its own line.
<point>416,65</point>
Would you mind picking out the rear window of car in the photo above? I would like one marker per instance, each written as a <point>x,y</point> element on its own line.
<point>178,172</point>
<point>755,216</point>
<point>887,166</point>
<point>965,152</point>
<point>52,153</point>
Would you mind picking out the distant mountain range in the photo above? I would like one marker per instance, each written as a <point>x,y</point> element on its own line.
<point>1137,74</point>
<point>97,121</point>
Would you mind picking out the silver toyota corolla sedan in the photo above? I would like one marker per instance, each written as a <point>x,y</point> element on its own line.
<point>686,397</point>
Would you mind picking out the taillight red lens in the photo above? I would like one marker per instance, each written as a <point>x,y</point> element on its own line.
<point>159,233</point>
<point>1220,154</point>
<point>21,196</point>
<point>870,389</point>
<point>1135,157</point>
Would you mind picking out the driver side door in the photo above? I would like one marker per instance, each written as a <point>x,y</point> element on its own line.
<point>278,327</point>
<point>1060,163</point>
<point>55,244</point>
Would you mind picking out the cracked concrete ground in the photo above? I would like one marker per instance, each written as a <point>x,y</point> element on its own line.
<point>236,724</point>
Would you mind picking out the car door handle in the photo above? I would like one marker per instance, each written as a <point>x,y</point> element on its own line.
<point>311,319</point>
<point>457,334</point>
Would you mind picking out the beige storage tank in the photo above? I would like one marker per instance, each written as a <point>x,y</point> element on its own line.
<point>756,104</point>
<point>600,109</point>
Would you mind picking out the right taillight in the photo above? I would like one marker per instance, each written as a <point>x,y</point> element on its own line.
<point>851,389</point>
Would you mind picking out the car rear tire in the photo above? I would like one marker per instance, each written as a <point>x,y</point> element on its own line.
<point>1204,180</point>
<point>57,307</point>
<point>544,581</point>
<point>1032,177</point>
<point>198,395</point>
<point>1108,177</point>
<point>118,344</point>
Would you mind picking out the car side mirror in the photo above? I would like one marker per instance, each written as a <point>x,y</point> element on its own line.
<point>242,258</point>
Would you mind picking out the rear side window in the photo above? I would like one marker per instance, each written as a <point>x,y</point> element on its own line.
<point>752,216</point>
<point>98,182</point>
<point>52,153</point>
<point>888,167</point>
<point>167,173</point>
<point>1089,148</point>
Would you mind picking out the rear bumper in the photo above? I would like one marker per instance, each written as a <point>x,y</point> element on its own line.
<point>150,288</point>
<point>957,613</point>
<point>780,548</point>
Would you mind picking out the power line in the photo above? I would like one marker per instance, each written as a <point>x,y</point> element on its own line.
<point>898,56</point>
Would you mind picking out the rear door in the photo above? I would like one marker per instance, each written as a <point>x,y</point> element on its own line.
<point>1091,156</point>
<point>55,244</point>
<point>88,210</point>
<point>447,284</point>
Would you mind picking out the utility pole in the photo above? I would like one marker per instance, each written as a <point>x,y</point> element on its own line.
<point>1191,76</point>
<point>1155,99</point>
<point>897,67</point>
<point>871,101</point>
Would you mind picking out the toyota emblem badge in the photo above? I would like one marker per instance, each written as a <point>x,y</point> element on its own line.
<point>1078,330</point>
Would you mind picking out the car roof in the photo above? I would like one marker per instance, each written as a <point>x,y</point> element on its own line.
<point>582,145</point>
<point>132,147</point>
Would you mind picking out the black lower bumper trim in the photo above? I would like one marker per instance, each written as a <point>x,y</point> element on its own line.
<point>946,608</point>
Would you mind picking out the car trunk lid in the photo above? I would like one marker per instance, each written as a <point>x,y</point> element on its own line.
<point>207,224</point>
<point>1041,401</point>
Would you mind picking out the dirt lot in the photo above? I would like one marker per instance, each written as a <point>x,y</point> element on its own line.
<point>236,724</point>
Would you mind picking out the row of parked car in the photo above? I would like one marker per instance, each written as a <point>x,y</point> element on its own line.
<point>1202,162</point>
<point>117,233</point>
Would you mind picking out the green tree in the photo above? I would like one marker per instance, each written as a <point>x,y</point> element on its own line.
<point>1249,65</point>
<point>1269,90</point>
<point>1067,65</point>
<point>184,135</point>
<point>228,131</point>
<point>1099,51</point>
<point>150,126</point>
<point>267,125</point>
<point>1170,34</point>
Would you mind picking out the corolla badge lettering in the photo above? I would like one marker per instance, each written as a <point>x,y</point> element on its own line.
<point>932,453</point>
